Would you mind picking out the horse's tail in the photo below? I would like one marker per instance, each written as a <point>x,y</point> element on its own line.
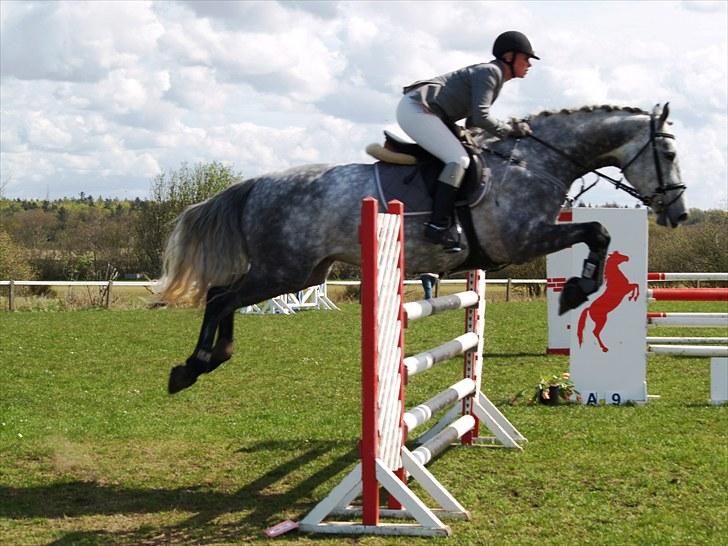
<point>582,323</point>
<point>206,247</point>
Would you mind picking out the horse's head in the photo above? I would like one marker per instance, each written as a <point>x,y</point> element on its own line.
<point>617,258</point>
<point>649,162</point>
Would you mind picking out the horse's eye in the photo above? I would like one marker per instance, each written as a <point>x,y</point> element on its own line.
<point>670,156</point>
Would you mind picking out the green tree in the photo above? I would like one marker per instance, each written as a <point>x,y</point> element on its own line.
<point>14,260</point>
<point>700,246</point>
<point>171,193</point>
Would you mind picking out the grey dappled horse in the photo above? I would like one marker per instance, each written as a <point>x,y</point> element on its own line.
<point>281,233</point>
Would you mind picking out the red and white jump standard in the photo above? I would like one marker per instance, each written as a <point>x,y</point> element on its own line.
<point>385,459</point>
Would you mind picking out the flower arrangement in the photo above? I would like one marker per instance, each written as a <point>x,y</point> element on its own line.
<point>550,388</point>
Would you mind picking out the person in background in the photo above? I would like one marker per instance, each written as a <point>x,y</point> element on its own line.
<point>428,281</point>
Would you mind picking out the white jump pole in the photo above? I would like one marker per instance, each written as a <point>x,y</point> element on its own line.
<point>693,320</point>
<point>687,340</point>
<point>689,350</point>
<point>656,276</point>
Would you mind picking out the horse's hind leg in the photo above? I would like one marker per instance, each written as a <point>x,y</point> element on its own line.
<point>219,317</point>
<point>598,327</point>
<point>223,349</point>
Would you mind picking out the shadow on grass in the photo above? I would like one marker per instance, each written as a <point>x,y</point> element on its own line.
<point>263,501</point>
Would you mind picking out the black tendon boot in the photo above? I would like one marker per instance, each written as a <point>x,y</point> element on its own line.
<point>441,229</point>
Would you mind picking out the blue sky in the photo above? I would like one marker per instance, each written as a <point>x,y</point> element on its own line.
<point>99,97</point>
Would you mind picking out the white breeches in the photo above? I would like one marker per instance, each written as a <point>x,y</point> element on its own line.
<point>428,130</point>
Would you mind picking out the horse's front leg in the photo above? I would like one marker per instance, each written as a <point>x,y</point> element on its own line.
<point>219,317</point>
<point>577,289</point>
<point>635,292</point>
<point>552,238</point>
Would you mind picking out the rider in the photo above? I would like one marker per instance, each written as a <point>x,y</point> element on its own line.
<point>430,107</point>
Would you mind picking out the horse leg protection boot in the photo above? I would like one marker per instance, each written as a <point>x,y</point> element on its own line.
<point>441,229</point>
<point>577,289</point>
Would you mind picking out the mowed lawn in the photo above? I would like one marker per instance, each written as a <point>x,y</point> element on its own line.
<point>93,450</point>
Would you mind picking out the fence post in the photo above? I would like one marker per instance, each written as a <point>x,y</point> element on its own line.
<point>108,294</point>
<point>508,290</point>
<point>11,296</point>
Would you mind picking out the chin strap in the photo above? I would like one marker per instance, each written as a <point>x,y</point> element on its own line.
<point>510,64</point>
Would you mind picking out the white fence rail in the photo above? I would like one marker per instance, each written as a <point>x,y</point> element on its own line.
<point>668,277</point>
<point>108,285</point>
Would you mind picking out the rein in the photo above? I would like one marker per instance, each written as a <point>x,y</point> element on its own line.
<point>618,184</point>
<point>657,197</point>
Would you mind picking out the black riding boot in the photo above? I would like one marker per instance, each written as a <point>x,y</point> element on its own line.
<point>441,228</point>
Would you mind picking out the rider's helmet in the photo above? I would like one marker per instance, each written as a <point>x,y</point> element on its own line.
<point>512,41</point>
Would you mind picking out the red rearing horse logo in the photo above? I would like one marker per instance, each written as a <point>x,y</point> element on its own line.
<point>617,287</point>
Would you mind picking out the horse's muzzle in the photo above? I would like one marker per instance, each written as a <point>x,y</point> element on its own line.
<point>674,214</point>
<point>668,218</point>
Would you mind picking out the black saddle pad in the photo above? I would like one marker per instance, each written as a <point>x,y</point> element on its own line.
<point>414,185</point>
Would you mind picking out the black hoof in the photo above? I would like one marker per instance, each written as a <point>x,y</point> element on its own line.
<point>180,377</point>
<point>574,294</point>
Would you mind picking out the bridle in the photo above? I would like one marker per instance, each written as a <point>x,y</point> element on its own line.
<point>657,199</point>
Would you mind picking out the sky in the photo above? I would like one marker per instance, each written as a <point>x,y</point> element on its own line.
<point>101,97</point>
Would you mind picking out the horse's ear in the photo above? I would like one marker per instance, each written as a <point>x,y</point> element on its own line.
<point>665,113</point>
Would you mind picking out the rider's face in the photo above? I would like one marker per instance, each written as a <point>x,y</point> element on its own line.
<point>521,65</point>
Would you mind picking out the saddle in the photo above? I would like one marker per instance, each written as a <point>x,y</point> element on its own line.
<point>408,173</point>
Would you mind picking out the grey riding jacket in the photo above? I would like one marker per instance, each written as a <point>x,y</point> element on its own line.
<point>465,93</point>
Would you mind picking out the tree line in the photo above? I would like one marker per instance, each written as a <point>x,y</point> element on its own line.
<point>87,238</point>
<point>93,239</point>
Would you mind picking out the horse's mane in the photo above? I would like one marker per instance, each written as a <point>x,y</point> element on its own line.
<point>588,108</point>
<point>492,142</point>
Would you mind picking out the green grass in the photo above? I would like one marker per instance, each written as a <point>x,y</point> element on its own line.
<point>93,450</point>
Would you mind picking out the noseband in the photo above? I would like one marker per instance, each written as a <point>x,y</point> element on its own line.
<point>657,199</point>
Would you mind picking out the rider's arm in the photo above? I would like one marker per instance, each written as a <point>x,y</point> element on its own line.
<point>486,82</point>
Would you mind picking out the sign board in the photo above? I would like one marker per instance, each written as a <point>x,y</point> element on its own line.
<point>608,358</point>
<point>605,336</point>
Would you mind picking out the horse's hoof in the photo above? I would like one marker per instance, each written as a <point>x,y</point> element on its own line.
<point>572,295</point>
<point>180,377</point>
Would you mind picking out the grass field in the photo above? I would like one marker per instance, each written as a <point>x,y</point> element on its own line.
<point>93,451</point>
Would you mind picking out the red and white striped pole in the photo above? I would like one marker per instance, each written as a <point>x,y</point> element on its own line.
<point>472,360</point>
<point>369,353</point>
<point>397,208</point>
<point>688,294</point>
<point>371,336</point>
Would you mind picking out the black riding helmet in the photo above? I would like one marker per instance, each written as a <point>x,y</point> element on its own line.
<point>513,41</point>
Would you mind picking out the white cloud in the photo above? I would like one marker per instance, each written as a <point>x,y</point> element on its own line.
<point>100,96</point>
<point>75,41</point>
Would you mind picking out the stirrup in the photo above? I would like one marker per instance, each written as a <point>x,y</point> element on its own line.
<point>446,236</point>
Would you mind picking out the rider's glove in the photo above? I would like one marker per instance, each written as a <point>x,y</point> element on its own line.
<point>519,129</point>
